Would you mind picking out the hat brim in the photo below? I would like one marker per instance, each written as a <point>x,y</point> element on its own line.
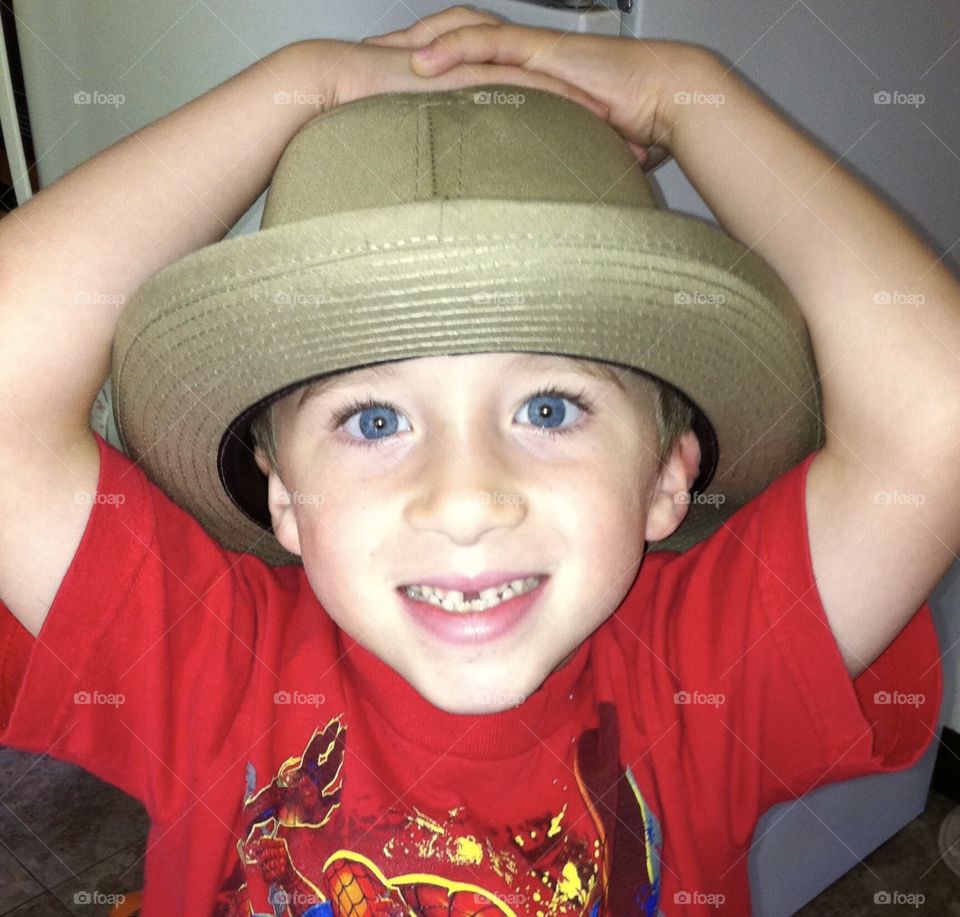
<point>228,326</point>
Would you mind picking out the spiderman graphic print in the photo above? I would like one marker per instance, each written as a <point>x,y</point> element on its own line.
<point>297,860</point>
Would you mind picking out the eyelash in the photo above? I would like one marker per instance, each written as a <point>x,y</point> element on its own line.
<point>579,398</point>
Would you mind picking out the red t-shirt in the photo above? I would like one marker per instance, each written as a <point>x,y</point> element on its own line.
<point>280,761</point>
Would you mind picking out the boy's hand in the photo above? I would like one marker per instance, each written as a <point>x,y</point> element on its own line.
<point>637,79</point>
<point>360,69</point>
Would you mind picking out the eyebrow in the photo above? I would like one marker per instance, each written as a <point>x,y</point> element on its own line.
<point>385,371</point>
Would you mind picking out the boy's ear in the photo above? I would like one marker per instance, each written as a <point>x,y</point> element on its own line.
<point>668,507</point>
<point>263,463</point>
<point>282,518</point>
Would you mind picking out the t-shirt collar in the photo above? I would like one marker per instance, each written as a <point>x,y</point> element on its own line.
<point>391,699</point>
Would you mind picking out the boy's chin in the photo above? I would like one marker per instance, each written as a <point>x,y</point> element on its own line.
<point>472,706</point>
<point>485,691</point>
<point>474,700</point>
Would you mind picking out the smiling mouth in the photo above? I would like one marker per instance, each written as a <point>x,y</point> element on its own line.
<point>454,600</point>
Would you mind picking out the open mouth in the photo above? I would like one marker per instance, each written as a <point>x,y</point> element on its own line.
<point>491,614</point>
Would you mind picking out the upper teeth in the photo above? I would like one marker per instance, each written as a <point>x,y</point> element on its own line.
<point>453,600</point>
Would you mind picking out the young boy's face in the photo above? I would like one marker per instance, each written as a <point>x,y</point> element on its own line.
<point>459,469</point>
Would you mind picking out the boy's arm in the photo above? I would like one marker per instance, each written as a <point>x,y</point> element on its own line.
<point>883,501</point>
<point>72,255</point>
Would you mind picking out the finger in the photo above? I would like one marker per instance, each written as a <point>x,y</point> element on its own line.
<point>399,39</point>
<point>454,17</point>
<point>496,44</point>
<point>430,27</point>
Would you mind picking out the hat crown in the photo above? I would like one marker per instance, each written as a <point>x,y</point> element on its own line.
<point>490,142</point>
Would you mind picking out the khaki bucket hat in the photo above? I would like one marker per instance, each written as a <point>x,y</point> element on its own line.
<point>485,219</point>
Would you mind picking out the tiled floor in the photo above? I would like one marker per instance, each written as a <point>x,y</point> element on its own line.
<point>67,839</point>
<point>85,843</point>
<point>908,863</point>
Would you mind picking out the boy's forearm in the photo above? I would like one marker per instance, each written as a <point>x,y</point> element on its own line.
<point>71,256</point>
<point>883,311</point>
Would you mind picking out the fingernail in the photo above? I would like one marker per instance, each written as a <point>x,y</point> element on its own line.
<point>423,53</point>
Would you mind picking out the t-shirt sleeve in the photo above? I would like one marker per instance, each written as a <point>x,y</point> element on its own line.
<point>767,706</point>
<point>139,670</point>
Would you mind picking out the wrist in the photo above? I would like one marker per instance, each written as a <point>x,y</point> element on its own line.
<point>305,75</point>
<point>696,79</point>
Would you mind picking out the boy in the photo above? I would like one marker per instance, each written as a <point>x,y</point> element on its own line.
<point>600,735</point>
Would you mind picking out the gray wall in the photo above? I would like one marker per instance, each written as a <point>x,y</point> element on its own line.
<point>821,63</point>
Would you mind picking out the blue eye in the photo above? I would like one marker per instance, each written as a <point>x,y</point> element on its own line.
<point>547,406</point>
<point>371,421</point>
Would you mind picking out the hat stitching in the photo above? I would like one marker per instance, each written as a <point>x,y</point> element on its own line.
<point>656,247</point>
<point>433,150</point>
<point>742,317</point>
<point>190,353</point>
<point>749,258</point>
<point>459,154</point>
<point>752,313</point>
<point>402,99</point>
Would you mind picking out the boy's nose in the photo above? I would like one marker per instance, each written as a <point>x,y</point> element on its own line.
<point>465,488</point>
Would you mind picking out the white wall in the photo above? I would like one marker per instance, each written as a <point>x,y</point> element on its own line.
<point>158,56</point>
